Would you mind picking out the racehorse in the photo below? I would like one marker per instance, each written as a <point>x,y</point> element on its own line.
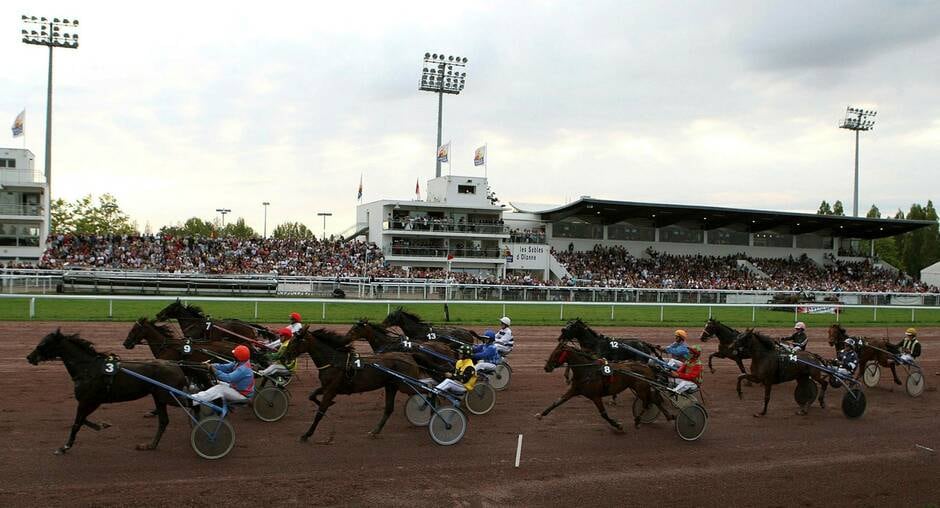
<point>869,350</point>
<point>590,381</point>
<point>342,371</point>
<point>414,327</point>
<point>434,357</point>
<point>166,346</point>
<point>197,325</point>
<point>770,365</point>
<point>606,347</point>
<point>726,340</point>
<point>94,386</point>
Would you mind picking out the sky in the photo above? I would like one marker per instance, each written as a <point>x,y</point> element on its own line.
<point>179,108</point>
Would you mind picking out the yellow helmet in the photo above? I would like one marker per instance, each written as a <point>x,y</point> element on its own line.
<point>910,331</point>
<point>681,333</point>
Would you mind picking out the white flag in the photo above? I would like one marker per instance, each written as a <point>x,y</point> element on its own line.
<point>479,156</point>
<point>443,153</point>
<point>19,123</point>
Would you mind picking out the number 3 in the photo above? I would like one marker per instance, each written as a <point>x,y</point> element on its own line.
<point>109,368</point>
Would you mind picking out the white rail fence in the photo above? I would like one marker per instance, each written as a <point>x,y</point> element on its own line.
<point>324,303</point>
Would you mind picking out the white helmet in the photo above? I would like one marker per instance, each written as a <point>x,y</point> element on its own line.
<point>505,320</point>
<point>850,342</point>
<point>800,325</point>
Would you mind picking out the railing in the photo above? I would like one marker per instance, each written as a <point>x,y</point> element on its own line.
<point>21,210</point>
<point>526,237</point>
<point>10,176</point>
<point>435,252</point>
<point>440,226</point>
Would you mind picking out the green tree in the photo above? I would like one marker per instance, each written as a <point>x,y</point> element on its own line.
<point>292,231</point>
<point>873,213</point>
<point>86,217</point>
<point>824,209</point>
<point>837,208</point>
<point>238,229</point>
<point>63,216</point>
<point>194,226</point>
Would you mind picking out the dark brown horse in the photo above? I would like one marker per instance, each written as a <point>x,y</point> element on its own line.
<point>726,343</point>
<point>165,345</point>
<point>869,350</point>
<point>415,328</point>
<point>604,346</point>
<point>770,365</point>
<point>590,381</point>
<point>94,386</point>
<point>197,325</point>
<point>434,357</point>
<point>343,371</point>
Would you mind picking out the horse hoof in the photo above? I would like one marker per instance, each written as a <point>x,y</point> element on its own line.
<point>60,451</point>
<point>303,439</point>
<point>897,382</point>
<point>538,416</point>
<point>758,415</point>
<point>150,414</point>
<point>103,425</point>
<point>802,412</point>
<point>144,447</point>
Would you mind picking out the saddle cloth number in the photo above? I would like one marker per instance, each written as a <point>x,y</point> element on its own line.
<point>607,370</point>
<point>615,345</point>
<point>406,344</point>
<point>187,347</point>
<point>432,336</point>
<point>110,367</point>
<point>792,358</point>
<point>356,362</point>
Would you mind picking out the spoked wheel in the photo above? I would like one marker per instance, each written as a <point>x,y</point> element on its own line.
<point>649,415</point>
<point>872,374</point>
<point>481,399</point>
<point>270,404</point>
<point>854,403</point>
<point>499,380</point>
<point>212,438</point>
<point>447,426</point>
<point>805,392</point>
<point>691,422</point>
<point>418,410</point>
<point>915,383</point>
<point>283,379</point>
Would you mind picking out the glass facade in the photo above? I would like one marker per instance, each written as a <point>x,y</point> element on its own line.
<point>577,230</point>
<point>679,234</point>
<point>727,237</point>
<point>626,231</point>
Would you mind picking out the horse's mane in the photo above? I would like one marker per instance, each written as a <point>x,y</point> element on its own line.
<point>76,339</point>
<point>765,340</point>
<point>402,312</point>
<point>838,327</point>
<point>332,339</point>
<point>194,308</point>
<point>164,330</point>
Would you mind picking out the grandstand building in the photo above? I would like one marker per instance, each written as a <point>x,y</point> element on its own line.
<point>23,202</point>
<point>460,227</point>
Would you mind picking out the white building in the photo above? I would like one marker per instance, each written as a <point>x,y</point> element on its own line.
<point>23,202</point>
<point>458,226</point>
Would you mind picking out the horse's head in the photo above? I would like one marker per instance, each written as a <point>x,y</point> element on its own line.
<point>47,349</point>
<point>136,335</point>
<point>710,330</point>
<point>171,311</point>
<point>837,335</point>
<point>576,330</point>
<point>558,357</point>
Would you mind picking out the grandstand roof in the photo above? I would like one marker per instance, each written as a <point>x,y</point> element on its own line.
<point>601,211</point>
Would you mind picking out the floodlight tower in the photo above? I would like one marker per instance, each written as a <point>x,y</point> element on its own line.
<point>439,76</point>
<point>858,120</point>
<point>223,211</point>
<point>54,33</point>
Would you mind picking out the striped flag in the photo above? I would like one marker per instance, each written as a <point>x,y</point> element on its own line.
<point>443,153</point>
<point>417,189</point>
<point>479,156</point>
<point>359,197</point>
<point>19,123</point>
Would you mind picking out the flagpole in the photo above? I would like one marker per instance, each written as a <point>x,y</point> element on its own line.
<point>486,156</point>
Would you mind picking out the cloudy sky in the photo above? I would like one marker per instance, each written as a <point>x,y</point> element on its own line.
<point>179,109</point>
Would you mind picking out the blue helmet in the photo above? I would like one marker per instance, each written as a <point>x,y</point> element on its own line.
<point>490,334</point>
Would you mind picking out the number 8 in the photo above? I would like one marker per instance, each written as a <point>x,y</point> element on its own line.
<point>607,369</point>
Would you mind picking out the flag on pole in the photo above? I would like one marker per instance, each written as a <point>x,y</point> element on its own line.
<point>359,197</point>
<point>19,123</point>
<point>443,153</point>
<point>417,189</point>
<point>479,156</point>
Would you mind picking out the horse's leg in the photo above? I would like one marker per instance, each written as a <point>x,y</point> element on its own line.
<point>313,395</point>
<point>85,408</point>
<point>96,425</point>
<point>321,412</point>
<point>822,392</point>
<point>163,420</point>
<point>712,369</point>
<point>743,370</point>
<point>599,402</point>
<point>767,388</point>
<point>894,373</point>
<point>564,398</point>
<point>390,391</point>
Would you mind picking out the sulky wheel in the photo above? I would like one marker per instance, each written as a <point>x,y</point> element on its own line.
<point>648,416</point>
<point>418,410</point>
<point>854,403</point>
<point>283,379</point>
<point>691,422</point>
<point>447,426</point>
<point>805,392</point>
<point>270,404</point>
<point>499,380</point>
<point>481,399</point>
<point>212,438</point>
<point>872,374</point>
<point>914,384</point>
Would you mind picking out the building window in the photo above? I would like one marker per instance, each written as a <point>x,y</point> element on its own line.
<point>22,235</point>
<point>8,163</point>
<point>466,189</point>
<point>679,234</point>
<point>727,237</point>
<point>811,241</point>
<point>771,239</point>
<point>626,231</point>
<point>577,230</point>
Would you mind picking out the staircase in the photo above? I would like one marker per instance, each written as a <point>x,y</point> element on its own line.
<point>747,265</point>
<point>556,268</point>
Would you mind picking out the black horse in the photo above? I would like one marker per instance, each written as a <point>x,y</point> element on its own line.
<point>94,386</point>
<point>342,371</point>
<point>414,327</point>
<point>434,357</point>
<point>771,365</point>
<point>165,345</point>
<point>197,325</point>
<point>609,348</point>
<point>726,343</point>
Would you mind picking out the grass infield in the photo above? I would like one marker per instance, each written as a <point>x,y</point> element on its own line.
<point>461,313</point>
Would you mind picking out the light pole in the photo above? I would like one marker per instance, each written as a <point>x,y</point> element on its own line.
<point>265,204</point>
<point>324,215</point>
<point>857,120</point>
<point>53,33</point>
<point>223,211</point>
<point>439,76</point>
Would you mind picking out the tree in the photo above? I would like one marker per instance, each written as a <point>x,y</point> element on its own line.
<point>193,227</point>
<point>873,213</point>
<point>85,217</point>
<point>824,209</point>
<point>837,208</point>
<point>292,231</point>
<point>238,229</point>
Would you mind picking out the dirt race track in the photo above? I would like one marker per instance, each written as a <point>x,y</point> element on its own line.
<point>572,456</point>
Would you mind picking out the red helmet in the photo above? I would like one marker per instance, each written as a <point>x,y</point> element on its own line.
<point>241,353</point>
<point>286,332</point>
<point>295,317</point>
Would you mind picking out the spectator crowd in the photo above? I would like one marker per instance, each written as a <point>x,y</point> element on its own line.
<point>599,267</point>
